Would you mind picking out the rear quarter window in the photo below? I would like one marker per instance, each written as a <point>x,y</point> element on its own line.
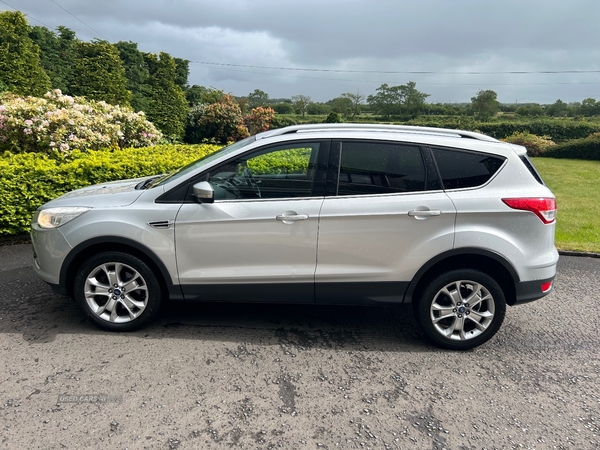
<point>463,169</point>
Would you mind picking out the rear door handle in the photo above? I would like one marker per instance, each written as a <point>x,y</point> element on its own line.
<point>426,213</point>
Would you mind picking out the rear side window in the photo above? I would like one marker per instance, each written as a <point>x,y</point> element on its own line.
<point>380,168</point>
<point>531,168</point>
<point>461,169</point>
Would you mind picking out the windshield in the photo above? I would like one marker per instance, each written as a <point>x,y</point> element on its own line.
<point>201,162</point>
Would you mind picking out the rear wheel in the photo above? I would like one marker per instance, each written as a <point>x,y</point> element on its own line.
<point>118,291</point>
<point>460,309</point>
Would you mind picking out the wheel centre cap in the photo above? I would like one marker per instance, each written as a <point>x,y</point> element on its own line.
<point>462,309</point>
<point>117,291</point>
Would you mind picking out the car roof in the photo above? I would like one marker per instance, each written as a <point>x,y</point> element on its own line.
<point>442,137</point>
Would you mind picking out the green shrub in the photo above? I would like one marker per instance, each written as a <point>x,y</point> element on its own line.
<point>536,145</point>
<point>284,161</point>
<point>219,122</point>
<point>282,122</point>
<point>333,117</point>
<point>28,180</point>
<point>558,130</point>
<point>586,148</point>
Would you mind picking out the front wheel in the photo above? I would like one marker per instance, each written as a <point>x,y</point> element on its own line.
<point>460,309</point>
<point>117,291</point>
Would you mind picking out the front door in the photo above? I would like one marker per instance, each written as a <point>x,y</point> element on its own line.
<point>258,240</point>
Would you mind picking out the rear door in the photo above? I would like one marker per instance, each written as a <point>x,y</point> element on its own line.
<point>385,217</point>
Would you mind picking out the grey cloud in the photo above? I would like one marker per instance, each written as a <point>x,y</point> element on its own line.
<point>434,35</point>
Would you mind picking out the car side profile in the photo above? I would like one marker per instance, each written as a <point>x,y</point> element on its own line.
<point>454,222</point>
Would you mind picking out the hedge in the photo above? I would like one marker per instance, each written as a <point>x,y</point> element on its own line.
<point>559,130</point>
<point>28,180</point>
<point>587,148</point>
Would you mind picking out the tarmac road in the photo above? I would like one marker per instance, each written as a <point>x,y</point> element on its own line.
<point>296,377</point>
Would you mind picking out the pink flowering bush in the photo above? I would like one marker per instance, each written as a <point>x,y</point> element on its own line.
<point>57,124</point>
<point>224,121</point>
<point>259,119</point>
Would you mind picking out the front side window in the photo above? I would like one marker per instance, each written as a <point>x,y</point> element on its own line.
<point>285,171</point>
<point>462,169</point>
<point>380,168</point>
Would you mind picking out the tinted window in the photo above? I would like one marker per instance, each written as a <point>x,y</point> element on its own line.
<point>460,169</point>
<point>276,172</point>
<point>531,169</point>
<point>380,168</point>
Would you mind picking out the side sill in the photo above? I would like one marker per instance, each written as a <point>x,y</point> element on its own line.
<point>363,293</point>
<point>529,291</point>
<point>297,293</point>
<point>250,293</point>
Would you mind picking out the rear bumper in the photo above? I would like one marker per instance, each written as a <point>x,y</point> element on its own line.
<point>528,291</point>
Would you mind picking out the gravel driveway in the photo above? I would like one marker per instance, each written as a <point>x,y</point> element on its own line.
<point>296,377</point>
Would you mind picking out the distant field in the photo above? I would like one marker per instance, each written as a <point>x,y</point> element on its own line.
<point>576,185</point>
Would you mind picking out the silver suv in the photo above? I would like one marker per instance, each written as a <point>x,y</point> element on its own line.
<point>455,222</point>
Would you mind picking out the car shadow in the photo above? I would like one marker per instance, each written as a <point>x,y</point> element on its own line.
<point>42,315</point>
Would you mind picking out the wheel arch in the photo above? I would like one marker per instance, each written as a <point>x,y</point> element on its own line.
<point>488,262</point>
<point>113,243</point>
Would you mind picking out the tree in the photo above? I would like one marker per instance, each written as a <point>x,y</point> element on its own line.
<point>485,104</point>
<point>168,106</point>
<point>533,110</point>
<point>341,105</point>
<point>558,109</point>
<point>413,100</point>
<point>183,72</point>
<point>57,55</point>
<point>257,98</point>
<point>300,103</point>
<point>199,94</point>
<point>283,108</point>
<point>98,73</point>
<point>137,74</point>
<point>386,101</point>
<point>316,108</point>
<point>20,68</point>
<point>589,107</point>
<point>357,100</point>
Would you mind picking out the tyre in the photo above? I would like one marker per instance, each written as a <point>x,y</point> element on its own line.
<point>460,309</point>
<point>117,291</point>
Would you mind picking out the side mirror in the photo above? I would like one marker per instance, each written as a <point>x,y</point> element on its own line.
<point>204,192</point>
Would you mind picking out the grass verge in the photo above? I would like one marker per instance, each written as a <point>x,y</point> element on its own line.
<point>576,184</point>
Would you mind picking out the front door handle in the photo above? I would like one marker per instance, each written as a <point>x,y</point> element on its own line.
<point>288,217</point>
<point>425,213</point>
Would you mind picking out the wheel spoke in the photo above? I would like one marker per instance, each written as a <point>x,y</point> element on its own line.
<point>131,314</point>
<point>478,317</point>
<point>108,306</point>
<point>94,282</point>
<point>457,325</point>
<point>130,302</point>
<point>444,312</point>
<point>110,274</point>
<point>133,285</point>
<point>453,294</point>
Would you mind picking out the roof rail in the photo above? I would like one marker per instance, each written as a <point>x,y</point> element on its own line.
<point>376,127</point>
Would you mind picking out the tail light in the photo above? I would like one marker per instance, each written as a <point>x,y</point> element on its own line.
<point>544,208</point>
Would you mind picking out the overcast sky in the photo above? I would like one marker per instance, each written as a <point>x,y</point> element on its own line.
<point>349,45</point>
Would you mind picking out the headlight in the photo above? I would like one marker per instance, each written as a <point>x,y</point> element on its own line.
<point>55,217</point>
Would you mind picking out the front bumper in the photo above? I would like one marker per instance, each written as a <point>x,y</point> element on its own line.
<point>50,249</point>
